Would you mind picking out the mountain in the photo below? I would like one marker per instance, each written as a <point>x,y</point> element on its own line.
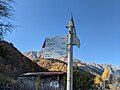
<point>93,68</point>
<point>14,63</point>
<point>53,64</point>
<point>33,55</point>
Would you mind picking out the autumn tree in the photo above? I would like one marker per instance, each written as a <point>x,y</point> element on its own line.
<point>6,13</point>
<point>106,75</point>
<point>102,81</point>
<point>97,79</point>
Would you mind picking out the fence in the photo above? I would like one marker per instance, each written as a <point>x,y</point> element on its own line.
<point>6,86</point>
<point>25,87</point>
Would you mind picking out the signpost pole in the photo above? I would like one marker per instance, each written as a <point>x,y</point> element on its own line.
<point>70,56</point>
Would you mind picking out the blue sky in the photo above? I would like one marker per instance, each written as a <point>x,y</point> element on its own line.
<point>97,23</point>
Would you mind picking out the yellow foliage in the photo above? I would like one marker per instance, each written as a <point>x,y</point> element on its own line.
<point>106,75</point>
<point>97,79</point>
<point>52,65</point>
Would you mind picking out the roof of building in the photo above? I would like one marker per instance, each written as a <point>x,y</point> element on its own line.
<point>34,74</point>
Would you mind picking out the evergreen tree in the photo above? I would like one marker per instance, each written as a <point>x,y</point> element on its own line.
<point>81,81</point>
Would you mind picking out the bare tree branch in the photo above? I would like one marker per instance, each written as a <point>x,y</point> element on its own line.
<point>6,12</point>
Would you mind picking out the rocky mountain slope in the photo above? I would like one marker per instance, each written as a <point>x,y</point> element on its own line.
<point>14,63</point>
<point>53,64</point>
<point>91,67</point>
<point>33,55</point>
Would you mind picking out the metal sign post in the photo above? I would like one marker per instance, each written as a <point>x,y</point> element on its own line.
<point>55,47</point>
<point>72,40</point>
<point>70,56</point>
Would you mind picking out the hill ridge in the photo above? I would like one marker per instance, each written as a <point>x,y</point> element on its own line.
<point>91,67</point>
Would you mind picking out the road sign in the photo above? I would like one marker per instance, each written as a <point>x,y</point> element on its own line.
<point>55,47</point>
<point>76,41</point>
